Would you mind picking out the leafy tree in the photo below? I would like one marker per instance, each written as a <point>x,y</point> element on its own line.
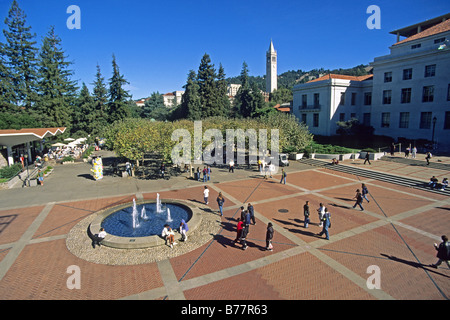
<point>281,95</point>
<point>117,106</point>
<point>20,52</point>
<point>56,91</point>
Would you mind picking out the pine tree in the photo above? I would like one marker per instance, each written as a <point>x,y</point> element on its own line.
<point>100,99</point>
<point>190,102</point>
<point>6,88</point>
<point>117,107</point>
<point>243,103</point>
<point>21,61</point>
<point>223,101</point>
<point>57,91</point>
<point>206,79</point>
<point>83,114</point>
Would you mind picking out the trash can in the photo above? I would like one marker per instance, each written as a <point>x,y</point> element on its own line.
<point>196,175</point>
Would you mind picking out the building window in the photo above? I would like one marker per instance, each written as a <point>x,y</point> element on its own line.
<point>447,120</point>
<point>448,93</point>
<point>425,120</point>
<point>387,96</point>
<point>416,46</point>
<point>407,74</point>
<point>430,71</point>
<point>304,100</point>
<point>406,95</point>
<point>428,94</point>
<point>368,98</point>
<point>316,100</point>
<point>353,102</point>
<point>353,115</point>
<point>385,119</point>
<point>440,40</point>
<point>341,116</point>
<point>342,102</point>
<point>404,120</point>
<point>388,77</point>
<point>366,119</point>
<point>304,118</point>
<point>315,120</point>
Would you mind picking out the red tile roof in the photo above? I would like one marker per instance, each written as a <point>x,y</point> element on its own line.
<point>439,28</point>
<point>342,77</point>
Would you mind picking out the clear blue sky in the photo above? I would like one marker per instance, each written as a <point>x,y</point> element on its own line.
<point>156,43</point>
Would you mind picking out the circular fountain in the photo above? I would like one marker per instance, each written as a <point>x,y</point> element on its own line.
<point>139,225</point>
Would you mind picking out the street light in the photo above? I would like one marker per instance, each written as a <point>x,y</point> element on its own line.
<point>432,136</point>
<point>28,172</point>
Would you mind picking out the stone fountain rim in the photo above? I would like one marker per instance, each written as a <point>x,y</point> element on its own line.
<point>118,242</point>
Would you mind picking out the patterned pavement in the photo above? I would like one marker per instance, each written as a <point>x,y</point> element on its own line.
<point>394,236</point>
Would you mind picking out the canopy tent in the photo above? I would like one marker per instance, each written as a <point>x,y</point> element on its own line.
<point>11,137</point>
<point>58,144</point>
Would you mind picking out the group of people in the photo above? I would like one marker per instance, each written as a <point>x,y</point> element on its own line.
<point>324,219</point>
<point>206,174</point>
<point>169,236</point>
<point>434,183</point>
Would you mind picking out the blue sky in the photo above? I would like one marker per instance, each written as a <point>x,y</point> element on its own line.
<point>156,43</point>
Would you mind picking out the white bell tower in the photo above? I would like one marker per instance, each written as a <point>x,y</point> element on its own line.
<point>271,69</point>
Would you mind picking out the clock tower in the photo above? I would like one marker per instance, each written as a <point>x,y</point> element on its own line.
<point>271,69</point>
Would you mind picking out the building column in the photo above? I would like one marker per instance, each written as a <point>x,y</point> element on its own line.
<point>29,152</point>
<point>10,155</point>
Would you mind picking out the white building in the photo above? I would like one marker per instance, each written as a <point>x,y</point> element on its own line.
<point>408,95</point>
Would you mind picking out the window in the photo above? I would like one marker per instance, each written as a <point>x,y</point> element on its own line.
<point>447,120</point>
<point>404,120</point>
<point>353,115</point>
<point>440,40</point>
<point>406,95</point>
<point>428,94</point>
<point>315,120</point>
<point>341,116</point>
<point>368,98</point>
<point>407,74</point>
<point>316,100</point>
<point>430,71</point>
<point>387,96</point>
<point>366,119</point>
<point>304,100</point>
<point>448,93</point>
<point>385,119</point>
<point>353,102</point>
<point>388,77</point>
<point>304,118</point>
<point>425,120</point>
<point>416,46</point>
<point>342,98</point>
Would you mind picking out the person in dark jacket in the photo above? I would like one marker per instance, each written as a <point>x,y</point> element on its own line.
<point>443,252</point>
<point>269,236</point>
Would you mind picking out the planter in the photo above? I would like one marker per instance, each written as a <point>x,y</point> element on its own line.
<point>372,156</point>
<point>295,156</point>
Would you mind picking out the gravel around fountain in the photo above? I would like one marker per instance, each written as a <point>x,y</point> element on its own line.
<point>80,244</point>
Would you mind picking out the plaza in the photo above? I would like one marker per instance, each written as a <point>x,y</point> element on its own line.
<point>395,233</point>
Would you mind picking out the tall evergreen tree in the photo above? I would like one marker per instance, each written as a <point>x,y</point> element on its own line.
<point>100,99</point>
<point>222,96</point>
<point>190,102</point>
<point>57,91</point>
<point>6,88</point>
<point>117,107</point>
<point>83,114</point>
<point>206,79</point>
<point>21,61</point>
<point>243,102</point>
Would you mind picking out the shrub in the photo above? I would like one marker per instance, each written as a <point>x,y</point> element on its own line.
<point>11,171</point>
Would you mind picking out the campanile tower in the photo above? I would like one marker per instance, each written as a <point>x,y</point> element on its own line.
<point>271,69</point>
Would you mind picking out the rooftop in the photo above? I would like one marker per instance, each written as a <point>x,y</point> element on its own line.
<point>342,77</point>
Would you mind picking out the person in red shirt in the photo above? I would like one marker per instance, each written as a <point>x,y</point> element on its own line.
<point>239,228</point>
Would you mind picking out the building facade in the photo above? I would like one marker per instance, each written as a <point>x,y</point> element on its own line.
<point>271,69</point>
<point>408,95</point>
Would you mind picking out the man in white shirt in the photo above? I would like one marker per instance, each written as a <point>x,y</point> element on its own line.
<point>206,194</point>
<point>98,238</point>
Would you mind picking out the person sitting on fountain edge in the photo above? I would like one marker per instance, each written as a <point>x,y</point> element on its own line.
<point>183,229</point>
<point>168,234</point>
<point>98,238</point>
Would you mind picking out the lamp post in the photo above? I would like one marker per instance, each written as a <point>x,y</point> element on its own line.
<point>28,172</point>
<point>432,136</point>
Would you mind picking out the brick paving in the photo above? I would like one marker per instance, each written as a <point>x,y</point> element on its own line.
<point>395,232</point>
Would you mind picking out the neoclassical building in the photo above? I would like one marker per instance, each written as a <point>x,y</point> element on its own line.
<point>408,94</point>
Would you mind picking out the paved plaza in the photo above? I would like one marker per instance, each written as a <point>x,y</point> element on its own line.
<point>392,238</point>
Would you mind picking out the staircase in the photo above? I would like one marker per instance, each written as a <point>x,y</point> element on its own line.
<point>406,182</point>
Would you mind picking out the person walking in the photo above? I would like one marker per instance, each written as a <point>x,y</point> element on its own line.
<point>269,237</point>
<point>413,152</point>
<point>239,227</point>
<point>251,210</point>
<point>366,159</point>
<point>183,230</point>
<point>306,213</point>
<point>208,172</point>
<point>443,252</point>
<point>321,212</point>
<point>283,176</point>
<point>231,166</point>
<point>428,157</point>
<point>364,192</point>
<point>41,177</point>
<point>359,200</point>
<point>326,224</point>
<point>206,194</point>
<point>220,201</point>
<point>247,220</point>
<point>205,174</point>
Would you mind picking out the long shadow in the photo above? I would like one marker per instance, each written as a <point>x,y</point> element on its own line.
<point>86,176</point>
<point>414,264</point>
<point>300,231</point>
<point>5,221</point>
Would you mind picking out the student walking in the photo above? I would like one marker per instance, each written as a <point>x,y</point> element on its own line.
<point>206,194</point>
<point>364,192</point>
<point>359,200</point>
<point>366,159</point>
<point>306,213</point>
<point>283,176</point>
<point>443,252</point>
<point>414,152</point>
<point>326,224</point>
<point>428,157</point>
<point>251,210</point>
<point>321,212</point>
<point>239,227</point>
<point>220,201</point>
<point>269,236</point>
